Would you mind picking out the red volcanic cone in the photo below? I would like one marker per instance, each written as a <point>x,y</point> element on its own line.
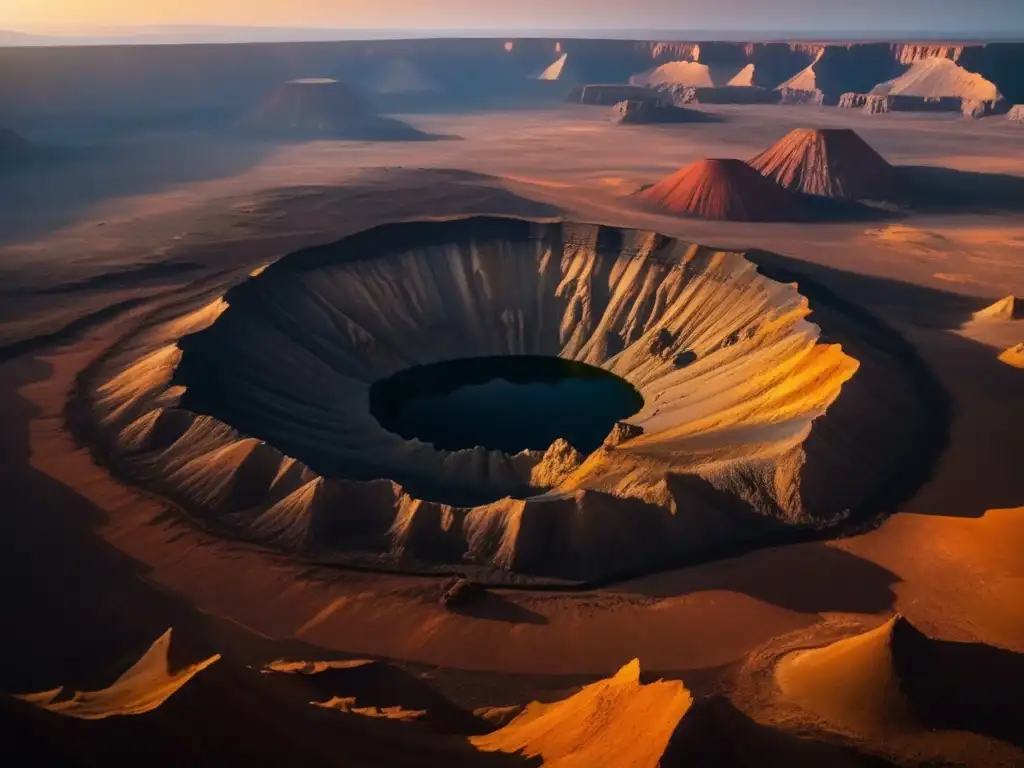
<point>724,189</point>
<point>833,162</point>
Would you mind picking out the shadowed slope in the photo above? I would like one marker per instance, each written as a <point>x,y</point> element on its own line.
<point>827,162</point>
<point>715,733</point>
<point>896,679</point>
<point>144,687</point>
<point>724,189</point>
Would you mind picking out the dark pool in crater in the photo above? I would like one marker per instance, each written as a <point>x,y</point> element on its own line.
<point>508,403</point>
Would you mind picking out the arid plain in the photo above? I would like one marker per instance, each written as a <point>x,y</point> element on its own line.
<point>95,566</point>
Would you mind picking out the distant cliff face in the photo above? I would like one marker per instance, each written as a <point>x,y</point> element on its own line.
<point>42,83</point>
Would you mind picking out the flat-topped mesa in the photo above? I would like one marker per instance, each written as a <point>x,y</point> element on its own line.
<point>828,162</point>
<point>653,111</point>
<point>724,189</point>
<point>320,107</point>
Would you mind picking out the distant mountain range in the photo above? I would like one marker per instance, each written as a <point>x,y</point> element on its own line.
<point>179,35</point>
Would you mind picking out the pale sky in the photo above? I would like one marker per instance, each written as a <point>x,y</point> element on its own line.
<point>956,15</point>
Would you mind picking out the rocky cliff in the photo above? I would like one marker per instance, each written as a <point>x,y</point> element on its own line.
<point>106,82</point>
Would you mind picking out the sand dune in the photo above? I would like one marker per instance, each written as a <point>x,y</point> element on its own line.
<point>828,162</point>
<point>724,189</point>
<point>806,79</point>
<point>1014,356</point>
<point>686,73</point>
<point>554,70</point>
<point>143,688</point>
<point>854,683</point>
<point>1007,308</point>
<point>938,78</point>
<point>618,721</point>
<point>744,78</point>
<point>895,679</point>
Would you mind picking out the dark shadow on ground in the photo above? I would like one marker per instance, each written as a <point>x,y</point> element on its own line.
<point>963,686</point>
<point>71,617</point>
<point>936,189</point>
<point>489,606</point>
<point>715,733</point>
<point>806,578</point>
<point>57,185</point>
<point>380,684</point>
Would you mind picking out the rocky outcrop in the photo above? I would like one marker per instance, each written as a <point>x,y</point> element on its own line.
<point>853,100</point>
<point>978,108</point>
<point>1016,114</point>
<point>877,104</point>
<point>813,97</point>
<point>108,83</point>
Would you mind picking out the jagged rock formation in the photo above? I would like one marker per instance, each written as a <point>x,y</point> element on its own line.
<point>809,96</point>
<point>829,162</point>
<point>608,95</point>
<point>650,111</point>
<point>1016,114</point>
<point>326,108</point>
<point>618,721</point>
<point>728,190</point>
<point>894,678</point>
<point>143,688</point>
<point>853,100</point>
<point>251,411</point>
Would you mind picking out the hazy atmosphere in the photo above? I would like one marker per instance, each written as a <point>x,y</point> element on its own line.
<point>534,384</point>
<point>920,16</point>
